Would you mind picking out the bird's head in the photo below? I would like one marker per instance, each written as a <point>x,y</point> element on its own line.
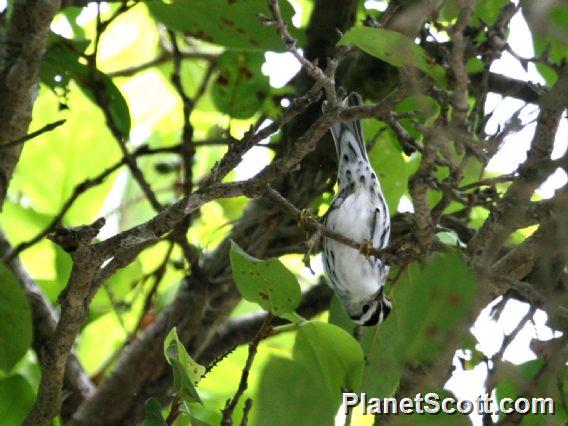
<point>371,311</point>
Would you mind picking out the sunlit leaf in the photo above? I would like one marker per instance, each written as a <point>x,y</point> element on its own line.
<point>266,282</point>
<point>187,373</point>
<point>16,320</point>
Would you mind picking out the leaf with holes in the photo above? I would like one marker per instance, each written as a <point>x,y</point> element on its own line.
<point>266,282</point>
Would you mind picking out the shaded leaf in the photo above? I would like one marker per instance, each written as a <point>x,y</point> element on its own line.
<point>534,379</point>
<point>287,387</point>
<point>16,320</point>
<point>266,282</point>
<point>230,23</point>
<point>430,303</point>
<point>240,88</point>
<point>326,360</point>
<point>394,48</point>
<point>16,399</point>
<point>154,413</point>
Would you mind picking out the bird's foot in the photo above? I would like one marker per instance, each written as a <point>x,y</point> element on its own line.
<point>366,247</point>
<point>305,216</point>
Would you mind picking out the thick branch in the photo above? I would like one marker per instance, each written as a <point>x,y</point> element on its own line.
<point>44,319</point>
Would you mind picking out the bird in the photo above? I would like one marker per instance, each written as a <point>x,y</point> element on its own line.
<point>358,211</point>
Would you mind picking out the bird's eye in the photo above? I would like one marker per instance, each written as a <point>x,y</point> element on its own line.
<point>365,308</point>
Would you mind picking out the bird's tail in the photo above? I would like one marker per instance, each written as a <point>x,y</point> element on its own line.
<point>348,136</point>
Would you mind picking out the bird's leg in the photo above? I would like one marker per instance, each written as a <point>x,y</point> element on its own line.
<point>313,241</point>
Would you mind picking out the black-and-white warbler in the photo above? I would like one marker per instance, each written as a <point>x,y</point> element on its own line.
<point>358,211</point>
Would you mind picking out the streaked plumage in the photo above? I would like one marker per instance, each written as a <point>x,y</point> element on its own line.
<point>358,211</point>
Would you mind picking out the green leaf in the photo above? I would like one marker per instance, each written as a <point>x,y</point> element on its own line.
<point>266,282</point>
<point>62,64</point>
<point>240,88</point>
<point>288,389</point>
<point>430,304</point>
<point>333,356</point>
<point>326,360</point>
<point>514,381</point>
<point>488,10</point>
<point>187,373</point>
<point>394,48</point>
<point>16,320</point>
<point>390,166</point>
<point>154,413</point>
<point>16,399</point>
<point>230,23</point>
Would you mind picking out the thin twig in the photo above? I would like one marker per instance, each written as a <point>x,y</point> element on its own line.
<point>243,383</point>
<point>47,128</point>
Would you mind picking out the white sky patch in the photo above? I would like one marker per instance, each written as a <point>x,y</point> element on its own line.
<point>3,5</point>
<point>254,160</point>
<point>381,6</point>
<point>280,68</point>
<point>405,205</point>
<point>89,13</point>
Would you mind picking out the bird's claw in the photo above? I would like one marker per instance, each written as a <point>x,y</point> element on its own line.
<point>305,216</point>
<point>366,247</point>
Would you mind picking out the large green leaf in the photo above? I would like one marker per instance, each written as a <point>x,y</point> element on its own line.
<point>266,282</point>
<point>288,390</point>
<point>333,356</point>
<point>430,304</point>
<point>231,23</point>
<point>16,399</point>
<point>394,48</point>
<point>240,87</point>
<point>326,360</point>
<point>16,320</point>
<point>187,373</point>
